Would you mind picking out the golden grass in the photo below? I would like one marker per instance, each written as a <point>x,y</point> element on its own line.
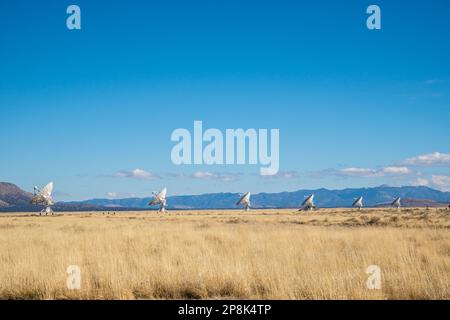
<point>265,254</point>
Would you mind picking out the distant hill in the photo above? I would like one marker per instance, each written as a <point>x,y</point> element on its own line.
<point>12,195</point>
<point>13,199</point>
<point>414,196</point>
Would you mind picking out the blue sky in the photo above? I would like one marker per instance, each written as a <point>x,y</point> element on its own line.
<point>93,109</point>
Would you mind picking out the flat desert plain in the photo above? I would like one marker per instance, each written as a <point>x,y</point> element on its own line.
<point>263,254</point>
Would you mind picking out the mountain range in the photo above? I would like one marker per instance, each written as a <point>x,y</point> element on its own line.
<point>12,198</point>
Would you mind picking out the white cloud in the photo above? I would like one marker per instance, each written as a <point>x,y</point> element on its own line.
<point>396,170</point>
<point>222,176</point>
<point>371,173</point>
<point>421,182</point>
<point>111,194</point>
<point>138,174</point>
<point>117,195</point>
<point>358,172</point>
<point>204,175</point>
<point>440,181</point>
<point>430,160</point>
<point>283,175</point>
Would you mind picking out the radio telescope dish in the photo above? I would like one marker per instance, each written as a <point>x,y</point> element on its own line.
<point>44,197</point>
<point>245,201</point>
<point>397,203</point>
<point>160,199</point>
<point>308,204</point>
<point>358,203</point>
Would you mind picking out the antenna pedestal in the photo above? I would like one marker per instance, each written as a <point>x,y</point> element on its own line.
<point>47,211</point>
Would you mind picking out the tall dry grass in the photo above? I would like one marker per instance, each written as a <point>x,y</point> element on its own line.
<point>262,255</point>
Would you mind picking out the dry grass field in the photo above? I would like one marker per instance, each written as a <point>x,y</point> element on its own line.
<point>264,254</point>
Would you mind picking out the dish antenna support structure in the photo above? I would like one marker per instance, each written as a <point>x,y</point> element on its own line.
<point>160,199</point>
<point>44,197</point>
<point>358,203</point>
<point>397,203</point>
<point>245,201</point>
<point>308,204</point>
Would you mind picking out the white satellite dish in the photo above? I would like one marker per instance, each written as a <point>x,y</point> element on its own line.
<point>245,201</point>
<point>397,203</point>
<point>358,203</point>
<point>160,198</point>
<point>44,197</point>
<point>308,204</point>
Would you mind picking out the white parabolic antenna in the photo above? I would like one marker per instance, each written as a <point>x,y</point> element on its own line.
<point>245,201</point>
<point>396,203</point>
<point>160,199</point>
<point>358,203</point>
<point>44,197</point>
<point>308,204</point>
